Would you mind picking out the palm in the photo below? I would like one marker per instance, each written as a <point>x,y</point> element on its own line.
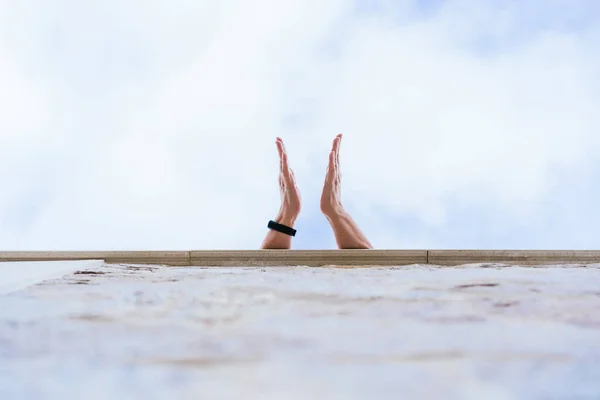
<point>290,195</point>
<point>331,196</point>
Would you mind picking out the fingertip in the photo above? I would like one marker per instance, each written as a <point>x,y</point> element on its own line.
<point>336,143</point>
<point>335,140</point>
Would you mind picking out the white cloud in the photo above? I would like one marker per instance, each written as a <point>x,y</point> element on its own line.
<point>157,119</point>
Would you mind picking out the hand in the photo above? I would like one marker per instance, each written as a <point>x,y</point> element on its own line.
<point>331,198</point>
<point>290,195</point>
<point>346,231</point>
<point>290,203</point>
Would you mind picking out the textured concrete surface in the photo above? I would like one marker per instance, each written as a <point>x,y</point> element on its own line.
<point>19,275</point>
<point>418,332</point>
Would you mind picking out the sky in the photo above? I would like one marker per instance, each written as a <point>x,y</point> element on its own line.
<point>151,125</point>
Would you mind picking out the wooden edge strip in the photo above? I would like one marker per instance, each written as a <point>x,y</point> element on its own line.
<point>308,257</point>
<point>314,257</point>
<point>179,258</point>
<point>521,257</point>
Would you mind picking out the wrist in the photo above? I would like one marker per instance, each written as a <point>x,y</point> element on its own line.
<point>334,212</point>
<point>286,218</point>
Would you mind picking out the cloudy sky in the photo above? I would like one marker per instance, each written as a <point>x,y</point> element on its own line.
<point>150,124</point>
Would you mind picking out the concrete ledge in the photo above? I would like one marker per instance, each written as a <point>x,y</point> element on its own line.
<point>521,257</point>
<point>314,258</point>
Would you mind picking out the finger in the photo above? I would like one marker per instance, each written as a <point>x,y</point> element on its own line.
<point>285,168</point>
<point>335,147</point>
<point>281,151</point>
<point>331,157</point>
<point>282,145</point>
<point>330,173</point>
<point>333,160</point>
<point>338,139</point>
<point>287,172</point>
<point>335,141</point>
<point>280,148</point>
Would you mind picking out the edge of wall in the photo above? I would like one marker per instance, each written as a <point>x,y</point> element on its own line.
<point>110,257</point>
<point>521,257</point>
<point>362,258</point>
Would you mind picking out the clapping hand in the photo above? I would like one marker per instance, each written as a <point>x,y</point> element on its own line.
<point>346,231</point>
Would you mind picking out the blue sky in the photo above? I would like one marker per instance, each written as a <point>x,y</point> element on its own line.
<point>151,124</point>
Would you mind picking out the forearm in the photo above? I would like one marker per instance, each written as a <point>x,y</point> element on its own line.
<point>347,233</point>
<point>278,240</point>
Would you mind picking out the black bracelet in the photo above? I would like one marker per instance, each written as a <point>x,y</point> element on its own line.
<point>281,228</point>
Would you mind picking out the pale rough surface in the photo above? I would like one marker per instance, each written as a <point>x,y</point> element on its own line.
<point>412,332</point>
<point>19,275</point>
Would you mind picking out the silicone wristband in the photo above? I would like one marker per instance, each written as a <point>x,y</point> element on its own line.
<point>281,228</point>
